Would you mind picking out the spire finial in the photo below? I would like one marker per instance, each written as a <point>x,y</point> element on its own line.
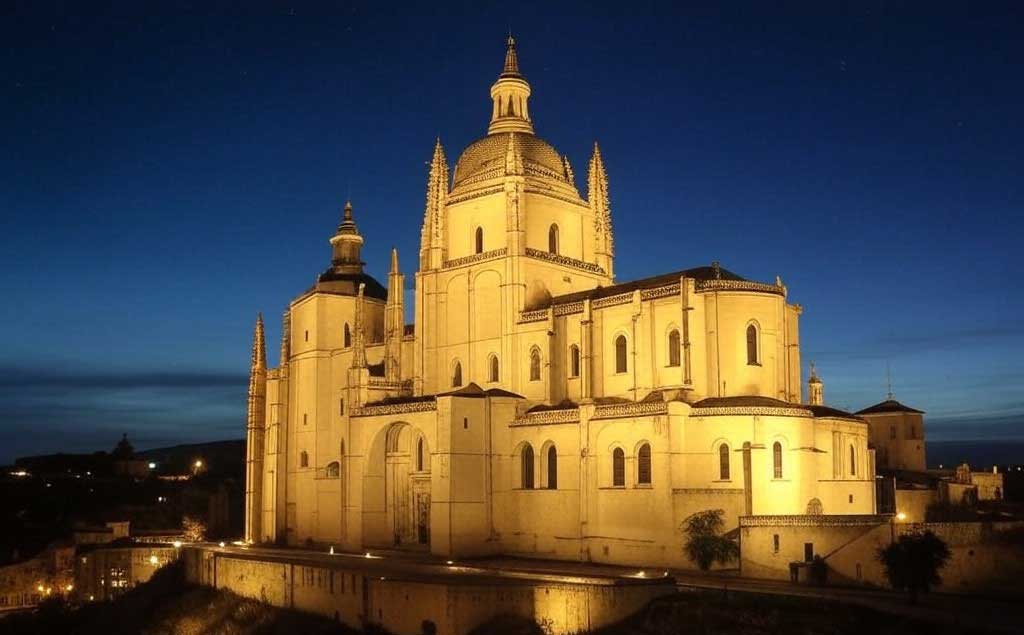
<point>888,381</point>
<point>511,58</point>
<point>259,347</point>
<point>348,210</point>
<point>394,260</point>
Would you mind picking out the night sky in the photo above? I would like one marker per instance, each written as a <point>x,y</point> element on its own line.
<point>166,176</point>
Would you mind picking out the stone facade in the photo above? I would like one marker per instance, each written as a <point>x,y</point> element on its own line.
<point>536,407</point>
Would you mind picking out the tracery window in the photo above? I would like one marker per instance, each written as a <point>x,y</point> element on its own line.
<point>777,459</point>
<point>618,468</point>
<point>723,462</point>
<point>535,365</point>
<point>673,348</point>
<point>479,240</point>
<point>643,465</point>
<point>526,472</point>
<point>457,375</point>
<point>574,361</point>
<point>621,364</point>
<point>333,470</point>
<point>553,239</point>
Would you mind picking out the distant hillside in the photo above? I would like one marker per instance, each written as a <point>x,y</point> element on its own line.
<point>220,457</point>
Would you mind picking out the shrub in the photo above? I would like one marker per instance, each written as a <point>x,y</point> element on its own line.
<point>704,545</point>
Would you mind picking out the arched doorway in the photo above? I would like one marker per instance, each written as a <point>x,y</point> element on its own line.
<point>407,486</point>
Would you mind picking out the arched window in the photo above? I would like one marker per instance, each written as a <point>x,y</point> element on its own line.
<point>643,465</point>
<point>303,459</point>
<point>479,240</point>
<point>348,336</point>
<point>618,468</point>
<point>493,374</point>
<point>553,239</point>
<point>777,459</point>
<point>535,365</point>
<point>723,462</point>
<point>574,361</point>
<point>621,364</point>
<point>673,348</point>
<point>853,461</point>
<point>457,375</point>
<point>526,480</point>
<point>552,468</point>
<point>752,357</point>
<point>333,470</point>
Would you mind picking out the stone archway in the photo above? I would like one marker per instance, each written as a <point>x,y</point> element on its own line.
<point>407,486</point>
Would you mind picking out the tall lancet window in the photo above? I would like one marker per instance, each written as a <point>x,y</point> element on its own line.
<point>553,239</point>
<point>526,467</point>
<point>552,468</point>
<point>853,461</point>
<point>777,459</point>
<point>535,365</point>
<point>618,468</point>
<point>348,336</point>
<point>673,348</point>
<point>479,239</point>
<point>752,357</point>
<point>493,373</point>
<point>574,361</point>
<point>621,364</point>
<point>457,375</point>
<point>723,462</point>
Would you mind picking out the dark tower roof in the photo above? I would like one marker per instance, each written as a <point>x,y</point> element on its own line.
<point>889,405</point>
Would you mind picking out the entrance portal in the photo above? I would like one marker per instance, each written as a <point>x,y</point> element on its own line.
<point>407,486</point>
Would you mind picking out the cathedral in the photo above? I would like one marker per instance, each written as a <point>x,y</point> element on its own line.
<point>534,405</point>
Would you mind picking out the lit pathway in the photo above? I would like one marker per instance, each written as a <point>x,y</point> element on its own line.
<point>1005,615</point>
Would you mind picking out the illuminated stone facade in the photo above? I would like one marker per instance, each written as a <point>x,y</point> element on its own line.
<point>536,407</point>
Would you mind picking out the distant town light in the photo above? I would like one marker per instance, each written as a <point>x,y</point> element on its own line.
<point>177,544</point>
<point>40,588</point>
<point>222,544</point>
<point>901,516</point>
<point>69,587</point>
<point>152,465</point>
<point>331,550</point>
<point>199,463</point>
<point>19,473</point>
<point>92,597</point>
<point>450,563</point>
<point>153,560</point>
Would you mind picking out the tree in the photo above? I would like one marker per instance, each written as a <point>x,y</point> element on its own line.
<point>912,562</point>
<point>704,545</point>
<point>193,529</point>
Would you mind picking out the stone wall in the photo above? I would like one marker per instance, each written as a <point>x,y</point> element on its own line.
<point>979,558</point>
<point>356,595</point>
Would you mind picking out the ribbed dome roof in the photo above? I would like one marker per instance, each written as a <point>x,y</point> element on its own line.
<point>485,158</point>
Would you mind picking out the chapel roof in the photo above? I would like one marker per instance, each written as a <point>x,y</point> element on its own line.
<point>744,401</point>
<point>889,405</point>
<point>474,391</point>
<point>698,273</point>
<point>835,413</point>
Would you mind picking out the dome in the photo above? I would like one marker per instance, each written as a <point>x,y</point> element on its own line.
<point>485,159</point>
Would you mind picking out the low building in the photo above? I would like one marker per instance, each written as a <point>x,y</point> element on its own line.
<point>104,571</point>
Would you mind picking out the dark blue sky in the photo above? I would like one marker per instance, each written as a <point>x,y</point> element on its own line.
<point>165,176</point>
